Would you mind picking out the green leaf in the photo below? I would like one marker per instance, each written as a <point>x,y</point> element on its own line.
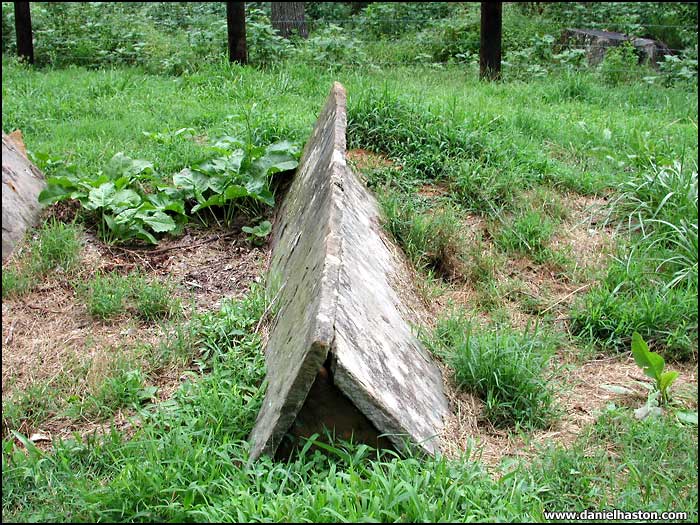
<point>266,197</point>
<point>126,216</point>
<point>652,363</point>
<point>163,202</point>
<point>158,221</point>
<point>228,143</point>
<point>273,162</point>
<point>141,233</point>
<point>236,191</point>
<point>191,180</point>
<point>217,183</point>
<point>216,200</point>
<point>255,186</point>
<point>121,165</point>
<point>127,198</point>
<point>667,379</point>
<point>101,197</point>
<point>54,193</point>
<point>263,229</point>
<point>688,417</point>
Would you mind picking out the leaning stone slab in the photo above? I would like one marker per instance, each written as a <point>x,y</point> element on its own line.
<point>341,325</point>
<point>21,184</point>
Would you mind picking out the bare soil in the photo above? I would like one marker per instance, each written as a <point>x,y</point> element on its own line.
<point>50,339</point>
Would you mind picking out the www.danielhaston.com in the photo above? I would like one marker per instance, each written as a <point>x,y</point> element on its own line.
<point>616,515</point>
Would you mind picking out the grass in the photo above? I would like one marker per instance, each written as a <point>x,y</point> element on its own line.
<point>105,295</point>
<point>499,150</point>
<point>507,370</point>
<point>526,234</point>
<point>54,247</point>
<point>652,286</point>
<point>112,294</point>
<point>430,238</point>
<point>14,283</point>
<point>188,463</point>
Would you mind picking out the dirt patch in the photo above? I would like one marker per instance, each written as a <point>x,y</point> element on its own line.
<point>584,390</point>
<point>362,159</point>
<point>438,189</point>
<point>50,340</point>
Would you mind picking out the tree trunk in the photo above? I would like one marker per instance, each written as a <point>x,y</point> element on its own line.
<point>288,18</point>
<point>235,21</point>
<point>490,48</point>
<point>23,28</point>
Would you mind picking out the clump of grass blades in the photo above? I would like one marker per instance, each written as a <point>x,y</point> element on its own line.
<point>15,283</point>
<point>154,299</point>
<point>56,247</point>
<point>652,289</point>
<point>661,207</point>
<point>430,238</point>
<point>634,298</point>
<point>423,142</point>
<point>109,295</point>
<point>53,247</point>
<point>528,233</point>
<point>507,370</point>
<point>106,294</point>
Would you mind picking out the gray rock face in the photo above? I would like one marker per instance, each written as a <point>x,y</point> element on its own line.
<point>21,184</point>
<point>336,276</point>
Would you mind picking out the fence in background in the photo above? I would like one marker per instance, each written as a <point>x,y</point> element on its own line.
<point>227,33</point>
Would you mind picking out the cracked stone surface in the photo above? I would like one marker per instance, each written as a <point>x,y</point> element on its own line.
<point>334,277</point>
<point>21,184</point>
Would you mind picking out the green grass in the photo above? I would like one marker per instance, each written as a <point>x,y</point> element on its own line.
<point>430,238</point>
<point>56,247</point>
<point>51,249</point>
<point>502,149</point>
<point>15,282</point>
<point>112,294</point>
<point>154,299</point>
<point>105,295</point>
<point>507,370</point>
<point>526,234</point>
<point>652,287</point>
<point>188,462</point>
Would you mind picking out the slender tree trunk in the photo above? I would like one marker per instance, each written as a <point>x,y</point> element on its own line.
<point>23,29</point>
<point>490,48</point>
<point>235,21</point>
<point>288,18</point>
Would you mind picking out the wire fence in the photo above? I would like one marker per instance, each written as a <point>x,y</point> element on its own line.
<point>179,37</point>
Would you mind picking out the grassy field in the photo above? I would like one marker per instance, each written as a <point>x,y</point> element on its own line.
<point>547,218</point>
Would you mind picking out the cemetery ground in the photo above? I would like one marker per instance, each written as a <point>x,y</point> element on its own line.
<point>545,220</point>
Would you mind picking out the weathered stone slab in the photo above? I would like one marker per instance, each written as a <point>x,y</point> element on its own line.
<point>21,184</point>
<point>597,42</point>
<point>338,306</point>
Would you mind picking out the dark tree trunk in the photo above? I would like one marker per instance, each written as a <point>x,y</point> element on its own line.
<point>288,18</point>
<point>235,21</point>
<point>490,49</point>
<point>23,28</point>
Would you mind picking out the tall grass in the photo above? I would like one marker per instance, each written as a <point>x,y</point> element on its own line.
<point>652,286</point>
<point>508,370</point>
